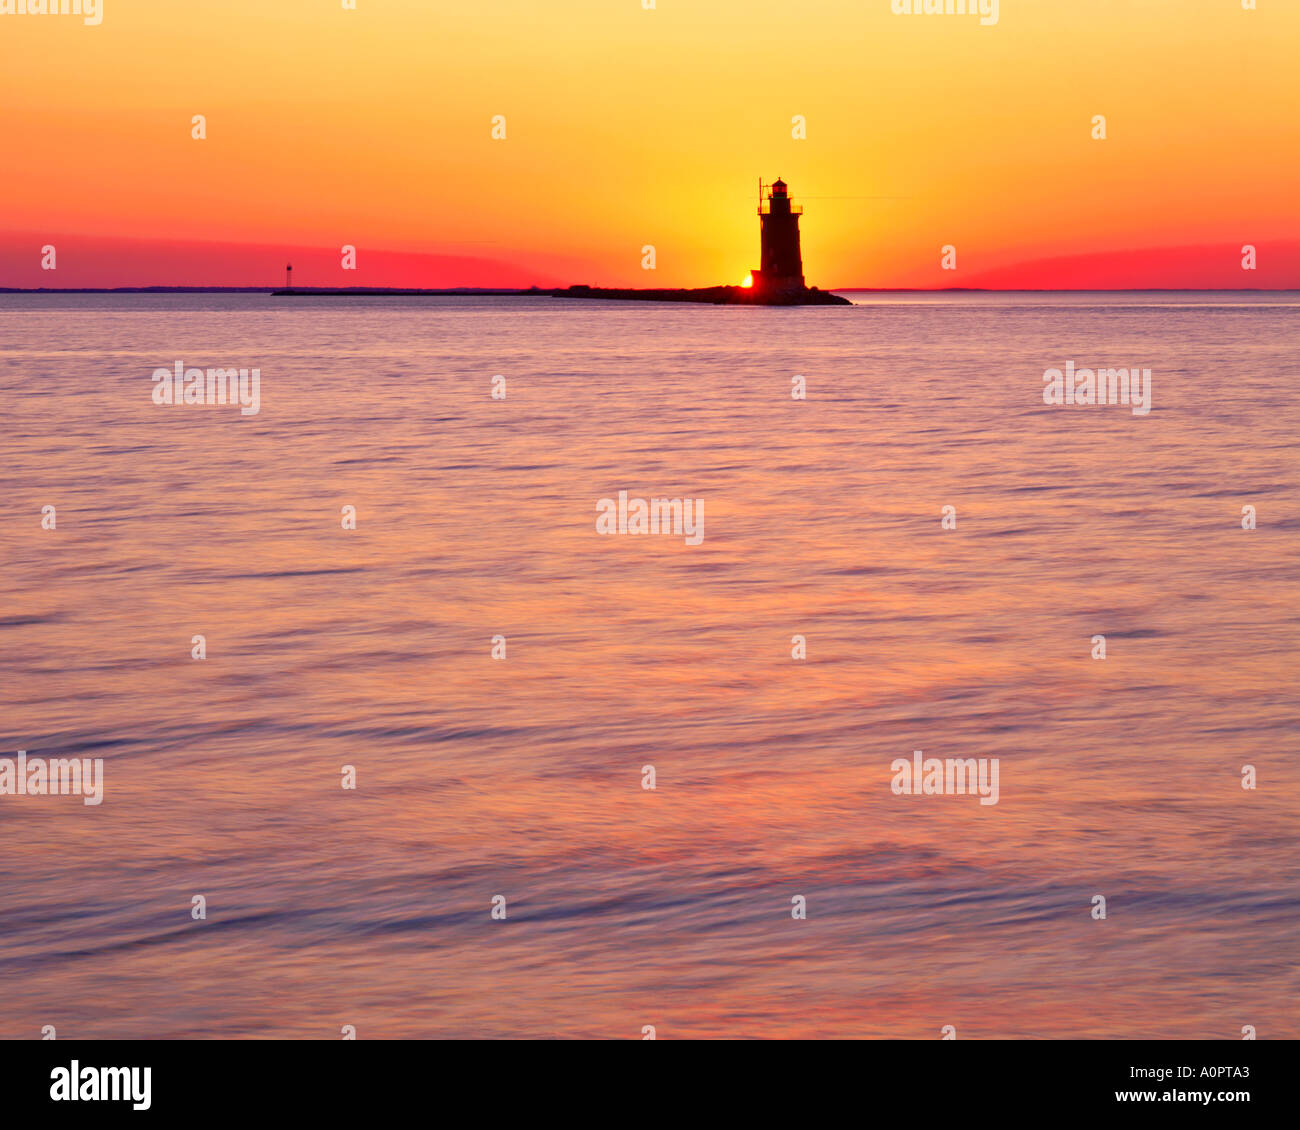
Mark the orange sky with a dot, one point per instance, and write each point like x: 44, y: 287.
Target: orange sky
x: 628, y: 127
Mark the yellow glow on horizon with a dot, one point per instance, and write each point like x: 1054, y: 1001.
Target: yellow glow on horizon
x: 618, y: 127
x: 749, y: 281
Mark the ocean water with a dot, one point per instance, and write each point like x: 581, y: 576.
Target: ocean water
x: 522, y: 777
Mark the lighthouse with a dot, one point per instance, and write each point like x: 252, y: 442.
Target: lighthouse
x: 781, y: 269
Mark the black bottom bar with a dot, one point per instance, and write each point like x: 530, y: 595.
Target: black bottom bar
x: 1242, y: 1081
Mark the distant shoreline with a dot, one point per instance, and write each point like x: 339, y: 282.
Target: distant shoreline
x: 710, y: 295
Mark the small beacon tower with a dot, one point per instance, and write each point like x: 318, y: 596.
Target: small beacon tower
x: 781, y: 269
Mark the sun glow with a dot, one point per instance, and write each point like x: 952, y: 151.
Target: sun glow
x: 749, y: 281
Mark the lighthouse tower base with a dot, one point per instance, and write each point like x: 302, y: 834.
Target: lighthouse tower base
x: 772, y: 285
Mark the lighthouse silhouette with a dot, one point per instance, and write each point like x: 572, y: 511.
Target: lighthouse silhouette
x: 781, y: 262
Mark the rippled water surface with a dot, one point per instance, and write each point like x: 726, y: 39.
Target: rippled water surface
x: 522, y: 777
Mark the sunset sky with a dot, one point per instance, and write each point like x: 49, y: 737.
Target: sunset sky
x: 628, y: 127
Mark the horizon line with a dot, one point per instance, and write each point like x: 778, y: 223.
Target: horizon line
x: 503, y: 291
